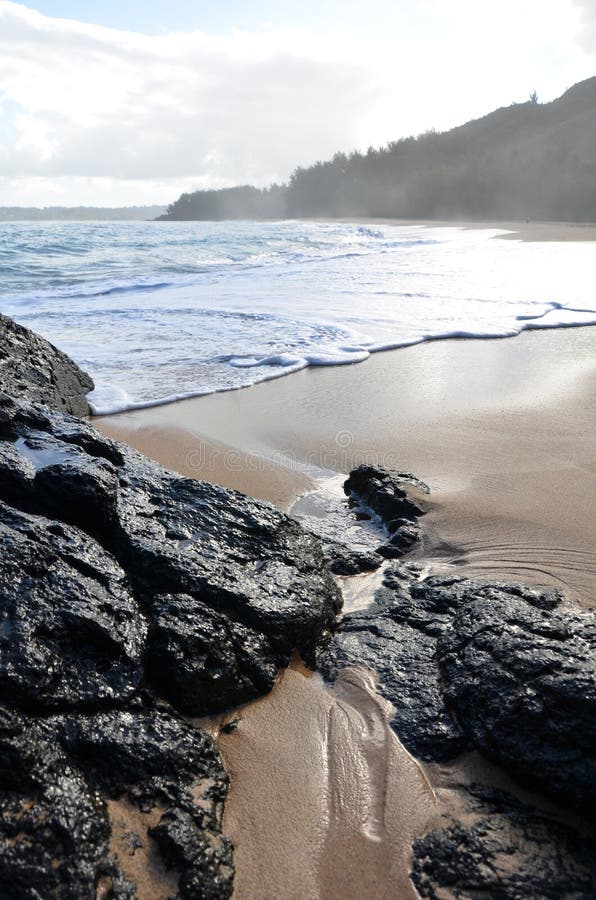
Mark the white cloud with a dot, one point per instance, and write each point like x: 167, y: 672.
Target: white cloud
x: 587, y: 30
x: 97, y: 102
x: 92, y: 109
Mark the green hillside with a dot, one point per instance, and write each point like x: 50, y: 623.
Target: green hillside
x: 529, y: 160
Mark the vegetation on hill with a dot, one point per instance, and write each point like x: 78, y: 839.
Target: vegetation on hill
x: 529, y: 160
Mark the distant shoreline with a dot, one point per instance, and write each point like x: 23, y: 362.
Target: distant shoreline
x: 541, y: 232
x: 34, y: 214
x: 531, y: 231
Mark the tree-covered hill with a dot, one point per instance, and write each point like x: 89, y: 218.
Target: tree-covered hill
x: 529, y: 160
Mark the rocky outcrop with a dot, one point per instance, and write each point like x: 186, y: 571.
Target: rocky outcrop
x: 67, y: 782
x: 71, y: 634
x: 398, y: 498
x: 396, y: 638
x: 129, y: 595
x: 32, y: 368
x: 503, y: 849
x: 506, y: 669
x: 229, y: 586
x: 376, y: 519
x: 393, y: 495
x: 519, y: 673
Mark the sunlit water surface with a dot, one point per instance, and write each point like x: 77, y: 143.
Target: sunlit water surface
x: 157, y: 311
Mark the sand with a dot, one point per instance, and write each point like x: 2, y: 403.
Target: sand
x: 337, y: 800
x: 501, y: 430
x: 519, y: 230
x: 324, y: 800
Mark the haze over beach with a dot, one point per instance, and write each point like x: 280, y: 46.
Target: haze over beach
x: 297, y: 450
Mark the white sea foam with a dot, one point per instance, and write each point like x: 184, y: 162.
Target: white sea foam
x: 157, y: 313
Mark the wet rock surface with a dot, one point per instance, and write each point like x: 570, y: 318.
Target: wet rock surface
x: 235, y: 571
x: 195, y: 652
x: 504, y: 849
x: 129, y: 595
x: 375, y: 519
x: 57, y: 775
x: 350, y: 534
x: 240, y: 557
x: 520, y: 674
x: 53, y: 830
x: 506, y: 669
x: 394, y: 496
x: 71, y: 633
x: 396, y: 638
x: 32, y: 368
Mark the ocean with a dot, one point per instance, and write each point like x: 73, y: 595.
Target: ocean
x: 157, y: 311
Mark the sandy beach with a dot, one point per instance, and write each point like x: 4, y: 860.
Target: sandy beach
x: 501, y: 430
x: 503, y: 433
x: 525, y: 230
x: 297, y: 496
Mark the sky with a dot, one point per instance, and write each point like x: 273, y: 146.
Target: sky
x: 124, y: 102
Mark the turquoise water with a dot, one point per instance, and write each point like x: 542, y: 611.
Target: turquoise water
x: 157, y: 311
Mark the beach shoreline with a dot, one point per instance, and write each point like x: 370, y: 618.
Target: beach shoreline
x: 502, y: 431
x: 517, y: 230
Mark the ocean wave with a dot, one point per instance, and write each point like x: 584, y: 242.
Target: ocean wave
x: 158, y: 313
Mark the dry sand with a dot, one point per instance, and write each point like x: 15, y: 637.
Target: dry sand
x: 324, y: 800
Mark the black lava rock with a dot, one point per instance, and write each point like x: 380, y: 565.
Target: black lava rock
x: 396, y: 638
x: 343, y: 560
x: 54, y: 831
x: 56, y: 834
x: 349, y: 535
x: 126, y: 591
x: 32, y: 368
x: 506, y: 850
x: 202, y: 662
x: 162, y: 763
x: 377, y: 520
x: 71, y: 633
x: 205, y: 866
x: 506, y: 669
x: 397, y: 498
x: 521, y: 678
x: 392, y: 495
x: 146, y: 752
x: 240, y: 557
x: 251, y: 581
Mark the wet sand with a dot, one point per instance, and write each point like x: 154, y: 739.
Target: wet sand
x: 324, y: 800
x: 502, y: 430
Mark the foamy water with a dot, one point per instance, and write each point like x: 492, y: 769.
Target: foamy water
x: 160, y: 311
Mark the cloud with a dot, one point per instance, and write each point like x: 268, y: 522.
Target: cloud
x: 587, y: 25
x: 98, y: 102
x: 85, y: 109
